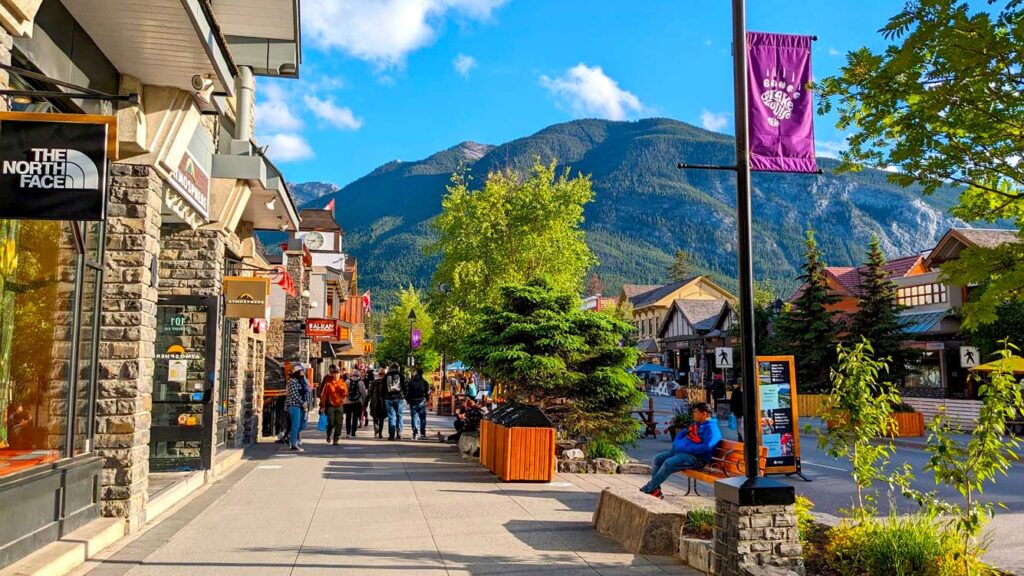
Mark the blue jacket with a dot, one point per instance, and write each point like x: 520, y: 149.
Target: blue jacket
x: 698, y: 439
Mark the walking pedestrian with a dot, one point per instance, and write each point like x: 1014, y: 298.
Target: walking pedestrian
x: 354, y: 403
x: 417, y: 393
x: 375, y: 403
x: 736, y: 406
x: 332, y: 397
x: 367, y: 376
x: 297, y: 403
x: 394, y: 392
x: 691, y: 449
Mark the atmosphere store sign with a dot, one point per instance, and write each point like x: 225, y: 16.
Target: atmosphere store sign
x: 54, y: 166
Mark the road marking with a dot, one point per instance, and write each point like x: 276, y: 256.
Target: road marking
x: 268, y: 467
x: 805, y: 462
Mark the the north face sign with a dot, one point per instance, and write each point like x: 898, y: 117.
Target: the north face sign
x: 54, y: 166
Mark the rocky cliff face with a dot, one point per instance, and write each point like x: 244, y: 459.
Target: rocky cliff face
x: 644, y: 207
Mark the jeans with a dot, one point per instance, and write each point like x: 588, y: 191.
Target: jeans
x: 352, y: 418
x: 298, y: 421
x: 418, y: 410
x: 668, y: 463
x: 394, y: 407
x: 334, y: 422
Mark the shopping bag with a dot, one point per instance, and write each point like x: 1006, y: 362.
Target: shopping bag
x: 321, y: 424
x: 732, y: 421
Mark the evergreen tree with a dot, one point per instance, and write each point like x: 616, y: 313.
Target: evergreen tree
x: 877, y: 319
x: 540, y: 348
x: 808, y: 330
x: 594, y: 285
x: 681, y: 268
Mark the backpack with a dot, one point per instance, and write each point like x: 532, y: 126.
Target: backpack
x: 354, y: 394
x: 394, y: 381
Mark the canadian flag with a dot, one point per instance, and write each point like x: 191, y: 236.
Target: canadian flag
x: 330, y: 206
x: 366, y: 300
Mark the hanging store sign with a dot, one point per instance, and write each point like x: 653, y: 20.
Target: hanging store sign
x: 321, y: 329
x: 245, y: 297
x: 55, y: 166
x: 780, y: 103
x: 192, y: 182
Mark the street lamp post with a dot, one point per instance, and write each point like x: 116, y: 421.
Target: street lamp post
x: 412, y: 321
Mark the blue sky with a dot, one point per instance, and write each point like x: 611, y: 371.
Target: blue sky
x: 402, y: 79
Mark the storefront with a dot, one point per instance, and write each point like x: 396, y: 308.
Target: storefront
x: 53, y: 190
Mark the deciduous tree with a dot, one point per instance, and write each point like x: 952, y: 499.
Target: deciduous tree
x: 943, y: 104
x: 396, y: 342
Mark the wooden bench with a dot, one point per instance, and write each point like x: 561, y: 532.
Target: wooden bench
x: 727, y: 460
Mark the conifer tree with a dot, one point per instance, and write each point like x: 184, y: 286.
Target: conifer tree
x: 878, y: 315
x: 808, y: 330
x: 681, y: 268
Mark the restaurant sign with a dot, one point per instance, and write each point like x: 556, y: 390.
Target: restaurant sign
x: 55, y: 166
x: 245, y: 297
x: 321, y: 329
x: 193, y: 183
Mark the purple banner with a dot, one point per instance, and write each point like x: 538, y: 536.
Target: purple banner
x: 417, y: 339
x: 781, y: 107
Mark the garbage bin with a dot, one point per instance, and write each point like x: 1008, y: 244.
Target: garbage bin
x: 488, y: 435
x: 524, y: 445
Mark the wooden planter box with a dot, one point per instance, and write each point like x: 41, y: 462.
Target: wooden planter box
x: 907, y: 424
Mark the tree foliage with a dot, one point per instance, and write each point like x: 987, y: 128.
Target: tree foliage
x: 681, y: 268
x: 517, y: 227
x: 540, y: 348
x: 397, y: 343
x: 944, y: 103
x: 808, y: 330
x: 877, y: 318
x: 860, y: 404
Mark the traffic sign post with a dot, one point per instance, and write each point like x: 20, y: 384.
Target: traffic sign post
x: 723, y: 357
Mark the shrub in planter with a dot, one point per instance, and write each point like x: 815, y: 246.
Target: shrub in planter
x: 915, y: 545
x: 601, y: 448
x: 700, y: 523
x: 679, y: 422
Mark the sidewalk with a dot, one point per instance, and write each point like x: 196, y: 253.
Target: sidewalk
x: 380, y: 507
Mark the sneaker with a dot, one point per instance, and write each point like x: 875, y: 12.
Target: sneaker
x: 657, y: 494
x: 391, y: 437
x: 296, y: 449
x: 335, y: 442
x: 414, y: 437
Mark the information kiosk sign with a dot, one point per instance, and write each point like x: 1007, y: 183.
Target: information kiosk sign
x: 779, y: 428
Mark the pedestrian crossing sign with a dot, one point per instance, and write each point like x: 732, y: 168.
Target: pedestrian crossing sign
x: 723, y: 357
x: 968, y: 356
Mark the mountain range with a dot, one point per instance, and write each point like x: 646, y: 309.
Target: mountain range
x: 644, y: 207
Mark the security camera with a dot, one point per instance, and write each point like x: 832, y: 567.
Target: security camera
x: 201, y: 83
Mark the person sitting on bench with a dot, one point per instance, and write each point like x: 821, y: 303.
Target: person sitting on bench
x: 467, y: 419
x: 691, y: 449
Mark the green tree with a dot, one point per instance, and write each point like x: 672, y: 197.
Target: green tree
x: 515, y: 228
x: 541, y: 349
x: 681, y: 268
x: 944, y: 103
x: 397, y: 343
x: 877, y: 318
x: 594, y: 285
x: 807, y: 329
x: 860, y: 405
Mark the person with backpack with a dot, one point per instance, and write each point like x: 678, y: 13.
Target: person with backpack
x: 394, y: 392
x: 297, y: 403
x: 332, y: 397
x: 354, y: 404
x: 375, y: 403
x: 417, y: 393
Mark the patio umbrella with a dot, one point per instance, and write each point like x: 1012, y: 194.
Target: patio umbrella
x: 648, y: 368
x: 457, y: 366
x: 1013, y: 364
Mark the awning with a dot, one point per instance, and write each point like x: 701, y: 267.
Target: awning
x: 327, y: 350
x: 921, y: 322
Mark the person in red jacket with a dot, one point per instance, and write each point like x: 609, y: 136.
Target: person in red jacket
x: 333, y: 394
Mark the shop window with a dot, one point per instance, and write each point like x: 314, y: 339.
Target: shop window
x: 928, y: 373
x: 39, y: 269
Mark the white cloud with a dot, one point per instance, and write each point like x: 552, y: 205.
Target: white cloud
x: 829, y: 148
x: 589, y: 91
x: 273, y: 110
x: 288, y: 147
x: 713, y: 122
x: 463, y: 64
x: 833, y: 52
x: 384, y: 31
x: 338, y: 116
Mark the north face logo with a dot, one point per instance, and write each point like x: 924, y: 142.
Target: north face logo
x: 55, y: 168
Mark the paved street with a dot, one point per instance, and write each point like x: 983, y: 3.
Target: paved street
x: 832, y: 489
x: 379, y: 507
